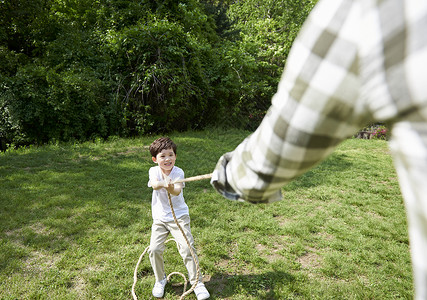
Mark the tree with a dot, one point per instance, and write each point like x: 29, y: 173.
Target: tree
x: 267, y: 30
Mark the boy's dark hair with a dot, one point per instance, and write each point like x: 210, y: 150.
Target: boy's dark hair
x: 160, y: 144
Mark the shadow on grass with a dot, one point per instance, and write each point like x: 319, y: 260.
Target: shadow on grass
x: 227, y: 286
x: 259, y: 286
x: 326, y: 170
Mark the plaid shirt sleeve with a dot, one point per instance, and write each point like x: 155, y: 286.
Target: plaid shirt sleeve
x: 348, y: 66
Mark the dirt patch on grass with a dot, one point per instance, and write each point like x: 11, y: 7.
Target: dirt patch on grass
x: 282, y: 221
x: 233, y: 265
x: 37, y: 263
x: 325, y: 236
x: 40, y: 228
x: 270, y: 253
x: 310, y: 259
x: 79, y: 286
x: 133, y: 150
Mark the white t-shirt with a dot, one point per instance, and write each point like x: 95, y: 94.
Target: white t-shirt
x: 160, y: 208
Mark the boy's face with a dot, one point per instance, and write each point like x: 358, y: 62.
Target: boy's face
x: 165, y: 159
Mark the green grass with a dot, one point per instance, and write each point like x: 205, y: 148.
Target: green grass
x: 76, y: 217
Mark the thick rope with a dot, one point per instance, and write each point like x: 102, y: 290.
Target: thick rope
x: 191, y: 251
x: 135, y: 273
x: 194, y: 178
x: 185, y: 293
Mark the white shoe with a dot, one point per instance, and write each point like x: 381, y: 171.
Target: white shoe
x: 201, y: 291
x: 159, y: 288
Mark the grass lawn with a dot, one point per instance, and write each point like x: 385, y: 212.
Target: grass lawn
x: 75, y: 218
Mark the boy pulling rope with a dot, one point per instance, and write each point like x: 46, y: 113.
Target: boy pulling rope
x: 167, y: 181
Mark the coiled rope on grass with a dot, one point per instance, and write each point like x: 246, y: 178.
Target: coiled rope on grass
x: 135, y: 273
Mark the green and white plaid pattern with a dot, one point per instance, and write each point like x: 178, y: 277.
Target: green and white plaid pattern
x: 353, y: 62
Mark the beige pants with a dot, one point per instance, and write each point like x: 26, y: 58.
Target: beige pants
x: 159, y: 233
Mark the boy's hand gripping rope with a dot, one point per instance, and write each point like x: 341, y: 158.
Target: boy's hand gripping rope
x: 185, y: 293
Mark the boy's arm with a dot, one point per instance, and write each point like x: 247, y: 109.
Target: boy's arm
x: 157, y: 184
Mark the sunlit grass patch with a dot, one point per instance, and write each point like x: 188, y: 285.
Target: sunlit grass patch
x: 76, y: 217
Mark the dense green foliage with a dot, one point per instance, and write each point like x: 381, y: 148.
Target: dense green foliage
x: 74, y: 70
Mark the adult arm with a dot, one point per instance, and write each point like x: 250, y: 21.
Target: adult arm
x: 315, y: 108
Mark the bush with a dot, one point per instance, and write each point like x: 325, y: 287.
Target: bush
x: 380, y: 132
x: 161, y: 76
x: 43, y: 104
x: 373, y: 131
